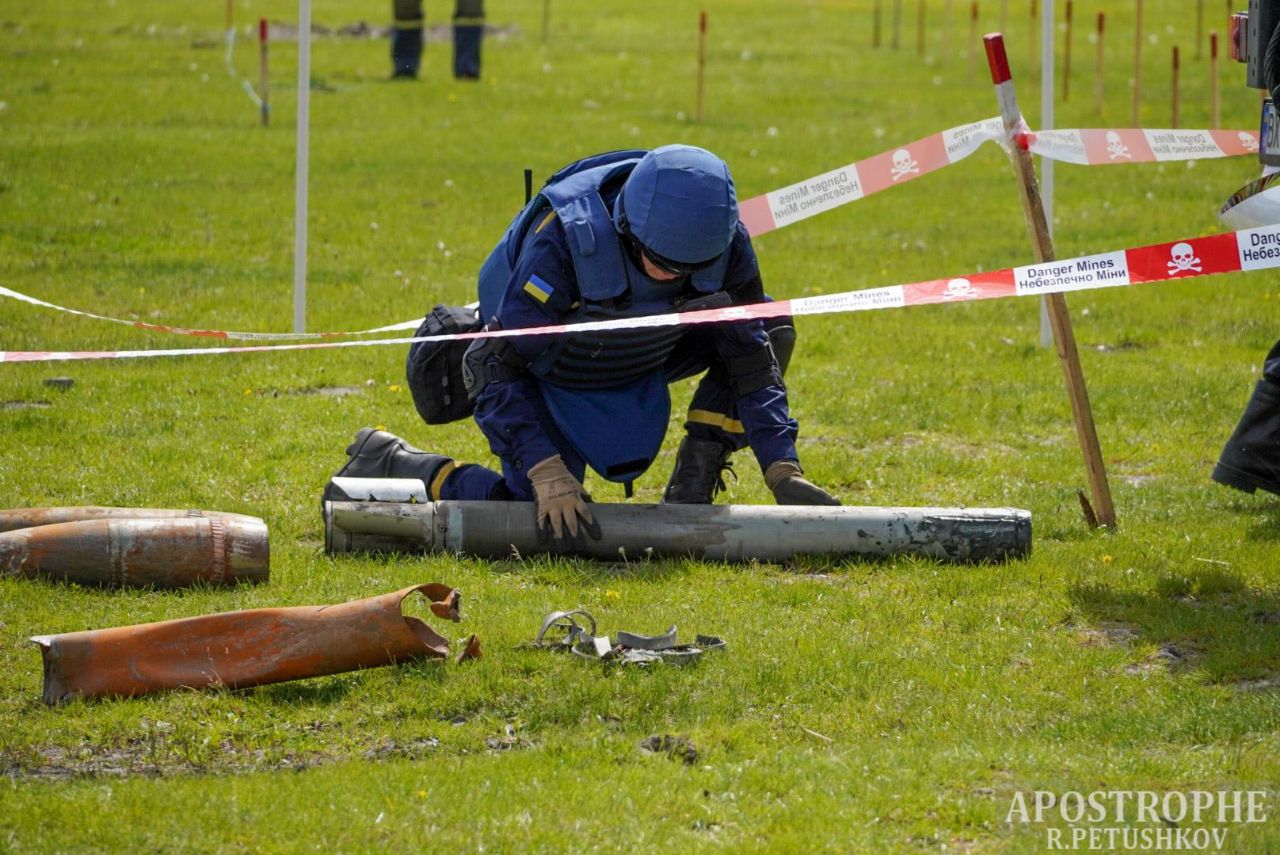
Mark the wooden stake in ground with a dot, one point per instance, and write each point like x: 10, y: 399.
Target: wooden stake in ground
x: 973, y: 37
x: 1137, y: 67
x: 895, y: 38
x: 875, y: 26
x: 920, y: 28
x: 1176, y: 69
x: 1102, y: 511
x: 702, y: 58
x: 1066, y: 55
x: 1215, y: 119
x: 1097, y: 66
x: 263, y: 87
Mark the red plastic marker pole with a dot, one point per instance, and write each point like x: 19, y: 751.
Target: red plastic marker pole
x: 1214, y: 117
x: 1176, y: 69
x: 1102, y: 511
x: 702, y: 58
x: 1066, y: 55
x: 1097, y: 66
x: 263, y: 32
x: 1137, y: 68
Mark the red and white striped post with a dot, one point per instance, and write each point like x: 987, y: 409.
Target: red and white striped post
x: 702, y: 58
x: 1102, y: 511
x: 263, y: 85
x: 1215, y: 118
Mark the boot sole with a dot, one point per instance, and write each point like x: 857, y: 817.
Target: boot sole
x: 1232, y: 477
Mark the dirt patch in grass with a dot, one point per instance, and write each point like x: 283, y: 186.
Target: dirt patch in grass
x: 1106, y: 634
x: 674, y: 746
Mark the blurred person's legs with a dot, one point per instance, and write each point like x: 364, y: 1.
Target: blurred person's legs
x: 1251, y: 458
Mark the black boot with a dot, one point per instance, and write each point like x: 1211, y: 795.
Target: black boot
x: 378, y: 454
x: 1251, y: 458
x: 696, y: 478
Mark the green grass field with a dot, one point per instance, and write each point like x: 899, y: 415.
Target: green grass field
x: 891, y: 706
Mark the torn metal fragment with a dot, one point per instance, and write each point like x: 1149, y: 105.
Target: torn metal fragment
x: 244, y: 648
x: 163, y: 553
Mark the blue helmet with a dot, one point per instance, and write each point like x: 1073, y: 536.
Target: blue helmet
x: 679, y: 204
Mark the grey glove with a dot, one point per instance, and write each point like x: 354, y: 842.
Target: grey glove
x: 561, y: 503
x: 790, y: 488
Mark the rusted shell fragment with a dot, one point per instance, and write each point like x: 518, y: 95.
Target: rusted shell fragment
x: 241, y: 649
x: 163, y: 553
x: 17, y: 518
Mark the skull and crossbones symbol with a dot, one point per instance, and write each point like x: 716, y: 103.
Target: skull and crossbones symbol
x: 1247, y: 140
x: 1116, y: 148
x: 903, y: 165
x: 1182, y: 259
x: 959, y: 289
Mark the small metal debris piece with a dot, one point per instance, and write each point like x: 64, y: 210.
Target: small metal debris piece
x: 627, y: 647
x: 164, y: 553
x: 245, y: 648
x: 674, y: 746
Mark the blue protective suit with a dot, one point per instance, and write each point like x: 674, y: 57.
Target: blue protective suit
x: 601, y: 398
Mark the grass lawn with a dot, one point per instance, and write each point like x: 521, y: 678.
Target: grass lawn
x: 892, y: 706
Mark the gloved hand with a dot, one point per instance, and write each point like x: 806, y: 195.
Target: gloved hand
x: 790, y: 488
x: 561, y: 503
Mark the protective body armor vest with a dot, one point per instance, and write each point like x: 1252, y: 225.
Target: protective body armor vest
x: 606, y: 390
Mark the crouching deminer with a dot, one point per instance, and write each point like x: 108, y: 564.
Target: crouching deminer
x: 622, y: 234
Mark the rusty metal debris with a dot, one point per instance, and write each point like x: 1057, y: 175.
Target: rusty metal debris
x: 561, y: 631
x: 133, y: 551
x: 246, y: 648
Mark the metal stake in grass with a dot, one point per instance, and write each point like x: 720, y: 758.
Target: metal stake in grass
x: 1102, y: 512
x: 1066, y: 55
x: 1137, y: 66
x: 262, y: 71
x: 1214, y: 116
x: 1176, y: 69
x: 1097, y: 66
x: 702, y: 58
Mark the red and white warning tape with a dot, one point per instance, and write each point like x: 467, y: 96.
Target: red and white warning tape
x: 1248, y: 249
x: 1086, y: 146
x: 854, y: 181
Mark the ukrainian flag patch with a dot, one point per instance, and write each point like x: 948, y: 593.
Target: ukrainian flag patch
x: 538, y: 289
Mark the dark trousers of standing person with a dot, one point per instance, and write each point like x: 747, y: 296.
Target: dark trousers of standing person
x: 406, y: 38
x: 1251, y: 458
x: 468, y: 32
